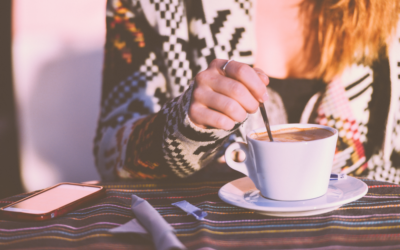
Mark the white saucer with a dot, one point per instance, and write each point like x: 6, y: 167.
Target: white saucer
x: 243, y: 193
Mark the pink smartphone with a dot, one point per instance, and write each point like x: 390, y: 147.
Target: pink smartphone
x: 52, y: 202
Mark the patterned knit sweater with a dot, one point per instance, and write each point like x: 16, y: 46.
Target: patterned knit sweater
x: 155, y: 47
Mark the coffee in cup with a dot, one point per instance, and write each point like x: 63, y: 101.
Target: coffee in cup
x: 295, y: 166
x: 293, y: 134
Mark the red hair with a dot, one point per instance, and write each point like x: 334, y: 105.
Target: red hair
x: 348, y: 31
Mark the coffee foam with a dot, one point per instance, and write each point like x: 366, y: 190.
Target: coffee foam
x: 294, y: 134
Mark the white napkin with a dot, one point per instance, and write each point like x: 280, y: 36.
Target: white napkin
x: 149, y: 221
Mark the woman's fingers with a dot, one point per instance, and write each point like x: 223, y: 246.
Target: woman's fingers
x: 262, y: 75
x: 247, y: 76
x: 205, y: 117
x: 237, y: 91
x: 222, y: 97
x: 221, y: 103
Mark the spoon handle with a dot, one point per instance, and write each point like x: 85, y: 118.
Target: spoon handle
x: 266, y: 122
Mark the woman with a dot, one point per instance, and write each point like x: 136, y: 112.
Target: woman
x: 329, y: 62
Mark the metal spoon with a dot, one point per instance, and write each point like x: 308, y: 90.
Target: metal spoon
x: 266, y: 122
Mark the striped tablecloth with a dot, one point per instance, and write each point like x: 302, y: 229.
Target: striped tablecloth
x: 369, y: 223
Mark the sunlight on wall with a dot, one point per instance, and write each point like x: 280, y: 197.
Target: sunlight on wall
x: 57, y: 60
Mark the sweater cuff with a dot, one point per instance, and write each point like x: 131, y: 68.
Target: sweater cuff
x: 187, y: 148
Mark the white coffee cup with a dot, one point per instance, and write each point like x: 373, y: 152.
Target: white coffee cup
x: 287, y: 171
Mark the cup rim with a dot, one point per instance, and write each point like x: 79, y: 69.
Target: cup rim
x: 288, y: 125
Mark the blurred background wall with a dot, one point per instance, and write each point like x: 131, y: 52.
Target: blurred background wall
x: 57, y: 63
x: 10, y: 181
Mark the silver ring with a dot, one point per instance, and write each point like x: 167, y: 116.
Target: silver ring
x: 226, y: 64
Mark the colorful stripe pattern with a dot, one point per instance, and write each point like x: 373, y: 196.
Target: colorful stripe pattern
x: 368, y: 223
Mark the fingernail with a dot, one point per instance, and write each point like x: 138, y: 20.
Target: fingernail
x: 263, y: 76
x: 265, y: 97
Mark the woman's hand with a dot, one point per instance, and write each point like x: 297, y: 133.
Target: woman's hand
x: 221, y: 98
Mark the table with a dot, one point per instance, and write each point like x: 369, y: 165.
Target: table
x: 369, y: 223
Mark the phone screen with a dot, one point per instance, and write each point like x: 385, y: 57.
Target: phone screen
x: 52, y: 199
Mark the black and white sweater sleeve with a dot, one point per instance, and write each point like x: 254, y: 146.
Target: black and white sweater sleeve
x: 143, y: 132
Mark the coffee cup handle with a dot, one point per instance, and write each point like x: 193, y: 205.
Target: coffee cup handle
x: 238, y: 166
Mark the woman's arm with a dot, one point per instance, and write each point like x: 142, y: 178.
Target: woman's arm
x: 133, y: 91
